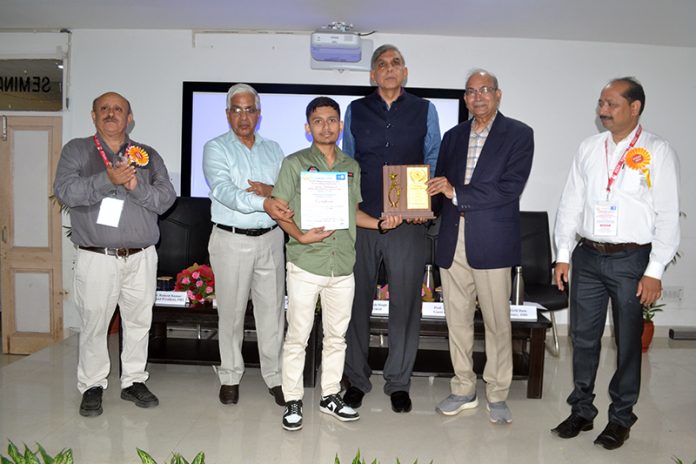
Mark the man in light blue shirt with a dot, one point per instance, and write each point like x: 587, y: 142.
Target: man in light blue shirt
x: 246, y: 245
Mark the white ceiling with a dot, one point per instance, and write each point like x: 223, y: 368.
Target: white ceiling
x: 666, y: 22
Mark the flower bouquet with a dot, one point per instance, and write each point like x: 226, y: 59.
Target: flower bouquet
x: 198, y: 282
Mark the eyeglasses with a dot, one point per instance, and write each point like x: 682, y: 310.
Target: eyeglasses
x: 238, y: 110
x: 485, y: 90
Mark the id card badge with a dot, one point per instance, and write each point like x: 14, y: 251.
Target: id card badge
x: 110, y: 212
x: 606, y: 219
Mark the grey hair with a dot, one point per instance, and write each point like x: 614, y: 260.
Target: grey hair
x: 483, y: 72
x: 381, y: 50
x: 243, y: 88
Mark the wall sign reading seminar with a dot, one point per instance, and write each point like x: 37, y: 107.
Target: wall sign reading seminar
x: 31, y: 85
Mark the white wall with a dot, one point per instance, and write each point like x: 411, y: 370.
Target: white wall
x: 551, y: 85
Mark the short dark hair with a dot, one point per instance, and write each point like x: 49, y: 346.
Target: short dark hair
x: 634, y: 92
x: 322, y: 101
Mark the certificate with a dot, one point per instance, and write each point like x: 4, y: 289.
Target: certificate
x: 324, y: 200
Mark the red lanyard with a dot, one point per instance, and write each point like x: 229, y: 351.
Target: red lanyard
x: 98, y: 144
x: 621, y: 162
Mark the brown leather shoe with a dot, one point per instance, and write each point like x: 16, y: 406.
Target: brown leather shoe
x: 229, y: 394
x: 613, y: 436
x: 277, y: 393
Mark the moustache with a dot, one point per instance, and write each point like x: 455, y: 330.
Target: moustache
x: 109, y: 119
x: 603, y: 118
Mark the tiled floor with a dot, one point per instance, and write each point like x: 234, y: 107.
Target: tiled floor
x: 39, y: 403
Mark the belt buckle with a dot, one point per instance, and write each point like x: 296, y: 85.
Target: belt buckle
x: 124, y: 256
x: 601, y: 247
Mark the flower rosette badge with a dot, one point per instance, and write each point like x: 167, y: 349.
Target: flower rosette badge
x: 638, y: 159
x: 198, y: 282
x: 137, y: 156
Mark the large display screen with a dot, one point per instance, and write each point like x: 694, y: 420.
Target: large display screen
x: 282, y: 118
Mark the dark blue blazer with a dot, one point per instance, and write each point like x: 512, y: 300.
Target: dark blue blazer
x: 490, y: 202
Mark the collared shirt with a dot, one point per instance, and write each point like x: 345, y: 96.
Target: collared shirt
x: 228, y: 165
x: 431, y: 144
x: 476, y: 142
x: 81, y: 184
x: 335, y: 255
x: 646, y: 213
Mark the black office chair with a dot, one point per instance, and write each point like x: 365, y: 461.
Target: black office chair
x: 537, y: 268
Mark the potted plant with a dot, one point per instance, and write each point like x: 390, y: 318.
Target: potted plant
x: 649, y: 311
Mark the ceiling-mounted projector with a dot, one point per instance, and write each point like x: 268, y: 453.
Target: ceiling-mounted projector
x: 336, y: 46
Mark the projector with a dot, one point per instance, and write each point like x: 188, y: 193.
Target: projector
x: 336, y: 46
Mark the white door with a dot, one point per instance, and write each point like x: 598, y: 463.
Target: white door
x: 30, y: 250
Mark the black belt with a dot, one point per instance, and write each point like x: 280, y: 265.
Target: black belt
x: 603, y: 247
x: 249, y: 232
x: 118, y: 252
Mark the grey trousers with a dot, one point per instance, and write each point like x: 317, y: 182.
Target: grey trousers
x: 403, y: 251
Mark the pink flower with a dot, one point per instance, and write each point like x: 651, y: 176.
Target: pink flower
x: 199, y: 283
x: 185, y: 281
x: 189, y: 294
x: 196, y: 274
x: 209, y: 290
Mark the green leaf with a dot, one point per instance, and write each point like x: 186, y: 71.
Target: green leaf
x: 46, y: 457
x: 144, y: 457
x: 199, y: 459
x: 30, y: 457
x: 4, y: 460
x: 64, y: 457
x: 336, y: 460
x: 14, y: 453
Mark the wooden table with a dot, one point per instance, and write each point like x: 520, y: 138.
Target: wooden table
x: 527, y: 359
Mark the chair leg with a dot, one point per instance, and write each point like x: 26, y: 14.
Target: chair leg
x: 554, y: 350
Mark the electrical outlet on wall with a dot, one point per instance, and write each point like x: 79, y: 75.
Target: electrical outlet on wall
x: 672, y: 294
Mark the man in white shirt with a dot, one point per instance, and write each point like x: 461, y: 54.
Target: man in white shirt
x: 621, y: 198
x: 246, y: 245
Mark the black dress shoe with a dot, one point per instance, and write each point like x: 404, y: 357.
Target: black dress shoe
x: 277, y: 393
x: 400, y: 401
x: 229, y: 394
x: 613, y: 436
x: 91, y: 404
x: 353, y: 397
x: 572, y: 426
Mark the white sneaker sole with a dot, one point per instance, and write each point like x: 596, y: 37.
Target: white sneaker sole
x: 463, y: 407
x: 341, y: 418
x: 292, y: 428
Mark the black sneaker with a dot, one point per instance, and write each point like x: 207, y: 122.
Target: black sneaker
x: 92, y: 402
x: 292, y: 418
x: 140, y: 395
x: 334, y: 405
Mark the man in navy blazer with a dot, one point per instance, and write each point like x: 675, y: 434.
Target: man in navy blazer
x: 481, y: 171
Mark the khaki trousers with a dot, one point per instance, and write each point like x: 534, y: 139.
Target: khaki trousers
x: 336, y: 303
x: 462, y: 285
x: 101, y: 282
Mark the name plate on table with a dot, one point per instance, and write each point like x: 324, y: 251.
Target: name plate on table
x: 433, y: 310
x: 380, y: 307
x: 405, y: 191
x: 526, y: 312
x: 165, y: 298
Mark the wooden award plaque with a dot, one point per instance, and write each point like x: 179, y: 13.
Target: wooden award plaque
x: 405, y: 191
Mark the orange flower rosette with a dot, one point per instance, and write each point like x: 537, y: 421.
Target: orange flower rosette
x: 137, y: 155
x: 639, y: 159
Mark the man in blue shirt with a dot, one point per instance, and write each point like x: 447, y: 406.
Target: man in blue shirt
x: 389, y: 126
x: 246, y: 245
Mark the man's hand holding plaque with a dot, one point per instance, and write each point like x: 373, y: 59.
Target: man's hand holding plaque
x: 405, y: 192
